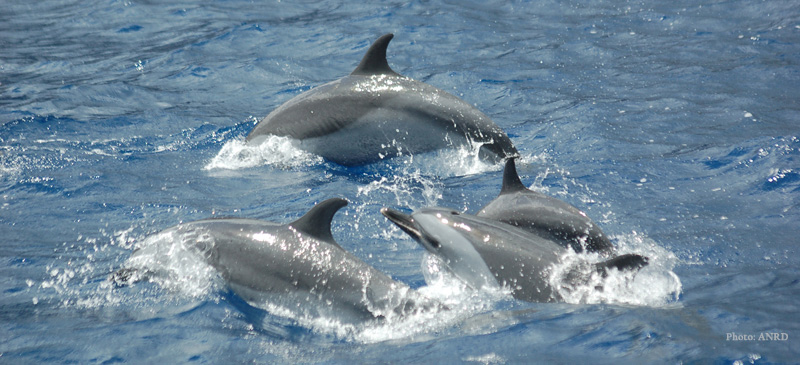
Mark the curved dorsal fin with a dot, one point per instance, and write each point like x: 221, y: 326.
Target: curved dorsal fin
x: 374, y: 61
x: 317, y: 221
x: 511, y: 181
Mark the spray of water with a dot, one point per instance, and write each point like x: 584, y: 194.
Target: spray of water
x: 411, y: 181
x: 282, y: 152
x: 458, y: 303
x: 174, y: 260
x: 275, y: 151
x: 655, y: 285
x: 180, y: 272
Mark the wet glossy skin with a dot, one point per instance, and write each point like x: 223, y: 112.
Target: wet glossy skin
x: 468, y: 244
x: 376, y: 113
x: 488, y: 253
x: 544, y: 216
x: 295, y: 265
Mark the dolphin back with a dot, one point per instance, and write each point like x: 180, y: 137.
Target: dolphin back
x: 296, y: 266
x: 544, y: 215
x: 375, y: 113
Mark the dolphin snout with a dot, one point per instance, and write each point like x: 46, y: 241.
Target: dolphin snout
x: 404, y: 221
x: 413, y: 228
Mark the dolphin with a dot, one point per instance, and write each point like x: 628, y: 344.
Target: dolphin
x: 375, y: 113
x: 544, y: 215
x: 296, y: 265
x: 486, y: 253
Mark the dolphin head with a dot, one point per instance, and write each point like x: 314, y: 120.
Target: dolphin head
x: 486, y: 253
x: 444, y: 234
x: 426, y: 234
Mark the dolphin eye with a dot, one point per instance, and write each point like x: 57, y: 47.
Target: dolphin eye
x: 454, y: 213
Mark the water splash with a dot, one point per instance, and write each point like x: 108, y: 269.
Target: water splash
x: 404, y: 188
x: 463, y: 160
x: 81, y: 283
x: 180, y: 269
x: 173, y: 259
x: 282, y: 152
x: 181, y: 275
x: 275, y: 151
x: 459, y: 302
x: 655, y: 285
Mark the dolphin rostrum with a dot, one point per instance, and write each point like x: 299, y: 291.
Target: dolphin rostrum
x: 487, y: 253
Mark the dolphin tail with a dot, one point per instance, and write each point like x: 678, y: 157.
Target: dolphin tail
x: 627, y: 262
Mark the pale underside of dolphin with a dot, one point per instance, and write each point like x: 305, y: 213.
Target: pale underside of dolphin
x: 488, y: 253
x: 544, y: 215
x: 293, y: 265
x: 375, y: 113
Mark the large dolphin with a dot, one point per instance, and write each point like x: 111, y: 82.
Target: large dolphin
x: 488, y: 253
x: 375, y: 113
x: 294, y: 265
x: 544, y: 215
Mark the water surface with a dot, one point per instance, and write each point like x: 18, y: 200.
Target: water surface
x: 673, y: 125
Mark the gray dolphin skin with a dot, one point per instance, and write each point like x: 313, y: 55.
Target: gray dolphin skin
x: 375, y: 113
x: 488, y: 253
x: 545, y: 216
x: 295, y: 264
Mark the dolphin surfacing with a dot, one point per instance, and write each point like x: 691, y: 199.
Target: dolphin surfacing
x: 544, y: 215
x: 294, y: 265
x: 375, y: 113
x: 488, y: 253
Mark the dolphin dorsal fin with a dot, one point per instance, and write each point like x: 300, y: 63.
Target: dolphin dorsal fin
x: 374, y: 61
x: 511, y: 181
x: 317, y: 221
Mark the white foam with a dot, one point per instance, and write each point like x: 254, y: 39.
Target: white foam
x: 282, y: 152
x: 173, y: 262
x: 490, y: 358
x: 655, y: 285
x: 463, y: 160
x: 275, y: 151
x: 458, y: 303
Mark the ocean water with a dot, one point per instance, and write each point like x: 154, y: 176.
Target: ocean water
x: 674, y: 125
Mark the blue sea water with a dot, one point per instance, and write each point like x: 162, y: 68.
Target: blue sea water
x: 674, y: 125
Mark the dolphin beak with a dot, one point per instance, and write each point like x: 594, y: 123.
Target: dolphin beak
x: 404, y: 221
